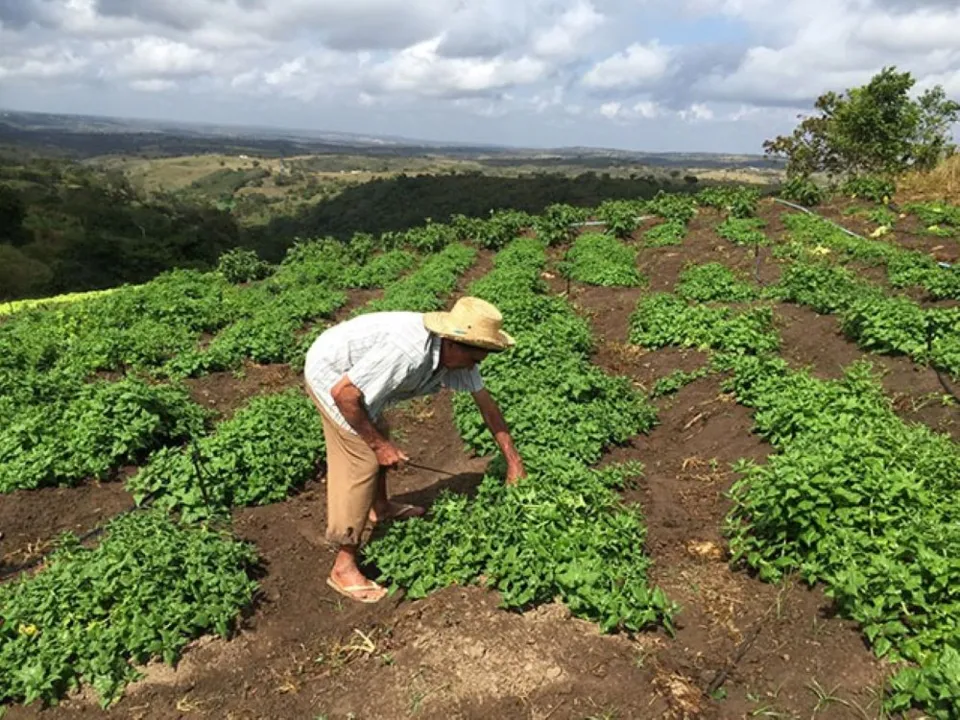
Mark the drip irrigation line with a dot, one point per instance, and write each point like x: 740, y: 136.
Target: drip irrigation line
x: 808, y: 211
x: 929, y: 327
x: 597, y: 223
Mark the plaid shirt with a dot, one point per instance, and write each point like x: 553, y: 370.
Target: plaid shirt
x: 389, y: 356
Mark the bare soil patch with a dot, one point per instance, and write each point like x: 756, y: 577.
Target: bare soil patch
x: 31, y: 520
x: 816, y: 342
x: 228, y: 391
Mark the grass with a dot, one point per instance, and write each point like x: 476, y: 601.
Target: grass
x: 942, y: 183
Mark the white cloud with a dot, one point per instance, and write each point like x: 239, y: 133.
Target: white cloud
x: 45, y: 63
x: 153, y: 85
x: 611, y: 109
x: 523, y: 66
x: 697, y: 111
x: 154, y: 56
x: 420, y: 70
x: 566, y: 37
x: 636, y: 67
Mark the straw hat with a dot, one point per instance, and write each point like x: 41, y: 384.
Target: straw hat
x: 472, y: 321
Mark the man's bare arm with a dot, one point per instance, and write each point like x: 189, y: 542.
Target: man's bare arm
x: 501, y: 433
x: 349, y: 400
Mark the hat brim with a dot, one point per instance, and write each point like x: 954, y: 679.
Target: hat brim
x: 439, y: 323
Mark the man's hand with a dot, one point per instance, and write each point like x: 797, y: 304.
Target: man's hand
x: 501, y: 433
x: 389, y: 455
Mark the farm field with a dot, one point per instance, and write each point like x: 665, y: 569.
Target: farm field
x: 740, y: 425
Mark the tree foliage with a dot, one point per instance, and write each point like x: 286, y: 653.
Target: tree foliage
x: 874, y: 129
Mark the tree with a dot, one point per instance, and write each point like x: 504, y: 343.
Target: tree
x: 12, y: 214
x: 874, y: 129
x: 21, y: 275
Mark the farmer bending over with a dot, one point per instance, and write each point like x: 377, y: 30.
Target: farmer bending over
x: 357, y: 368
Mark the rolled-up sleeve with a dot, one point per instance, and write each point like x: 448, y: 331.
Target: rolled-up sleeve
x: 380, y: 372
x: 465, y: 380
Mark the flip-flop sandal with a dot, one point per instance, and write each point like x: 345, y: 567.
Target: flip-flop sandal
x: 350, y: 589
x: 404, y: 512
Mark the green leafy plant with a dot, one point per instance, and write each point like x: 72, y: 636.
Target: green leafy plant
x: 560, y: 532
x: 90, y: 430
x: 423, y: 290
x: 149, y: 588
x: 676, y: 381
x: 621, y: 217
x: 714, y: 282
x: 662, y: 319
x: 673, y: 206
x: 802, y: 190
x: 600, y: 259
x: 743, y: 231
x: 269, y: 447
x: 666, y: 233
x: 240, y: 265
x: 870, y: 187
x: 556, y: 225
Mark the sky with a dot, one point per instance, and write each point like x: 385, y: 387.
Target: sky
x: 649, y: 75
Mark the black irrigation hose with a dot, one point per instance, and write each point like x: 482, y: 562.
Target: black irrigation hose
x: 6, y: 573
x: 929, y: 327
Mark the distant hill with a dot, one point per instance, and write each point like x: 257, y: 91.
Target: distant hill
x: 91, y: 136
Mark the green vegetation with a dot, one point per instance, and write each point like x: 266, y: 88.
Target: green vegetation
x: 745, y: 231
x: 424, y: 290
x: 663, y: 319
x: 940, y: 218
x: 149, y: 588
x: 240, y: 266
x: 714, y: 282
x: 269, y: 447
x: 904, y: 267
x: 875, y: 321
x: 870, y: 187
x: 803, y: 191
x: 74, y: 430
x: 666, y: 233
x: 621, y: 217
x: 562, y: 531
x: 875, y: 129
x: 600, y: 259
x: 677, y: 380
x: 737, y: 202
x: 853, y: 496
x: 858, y: 499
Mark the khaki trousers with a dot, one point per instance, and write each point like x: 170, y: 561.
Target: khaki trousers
x: 353, y: 477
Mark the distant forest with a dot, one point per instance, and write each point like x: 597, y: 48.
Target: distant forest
x: 66, y: 226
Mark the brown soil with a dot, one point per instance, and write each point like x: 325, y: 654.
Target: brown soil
x: 305, y: 652
x: 482, y: 265
x: 768, y: 646
x: 31, y: 520
x: 226, y: 392
x: 816, y: 342
x: 908, y: 232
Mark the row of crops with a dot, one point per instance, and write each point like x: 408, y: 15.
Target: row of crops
x: 90, y: 386
x: 852, y: 497
x: 171, y: 572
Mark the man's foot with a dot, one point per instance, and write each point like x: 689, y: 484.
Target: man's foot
x: 356, y: 587
x: 395, y: 511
